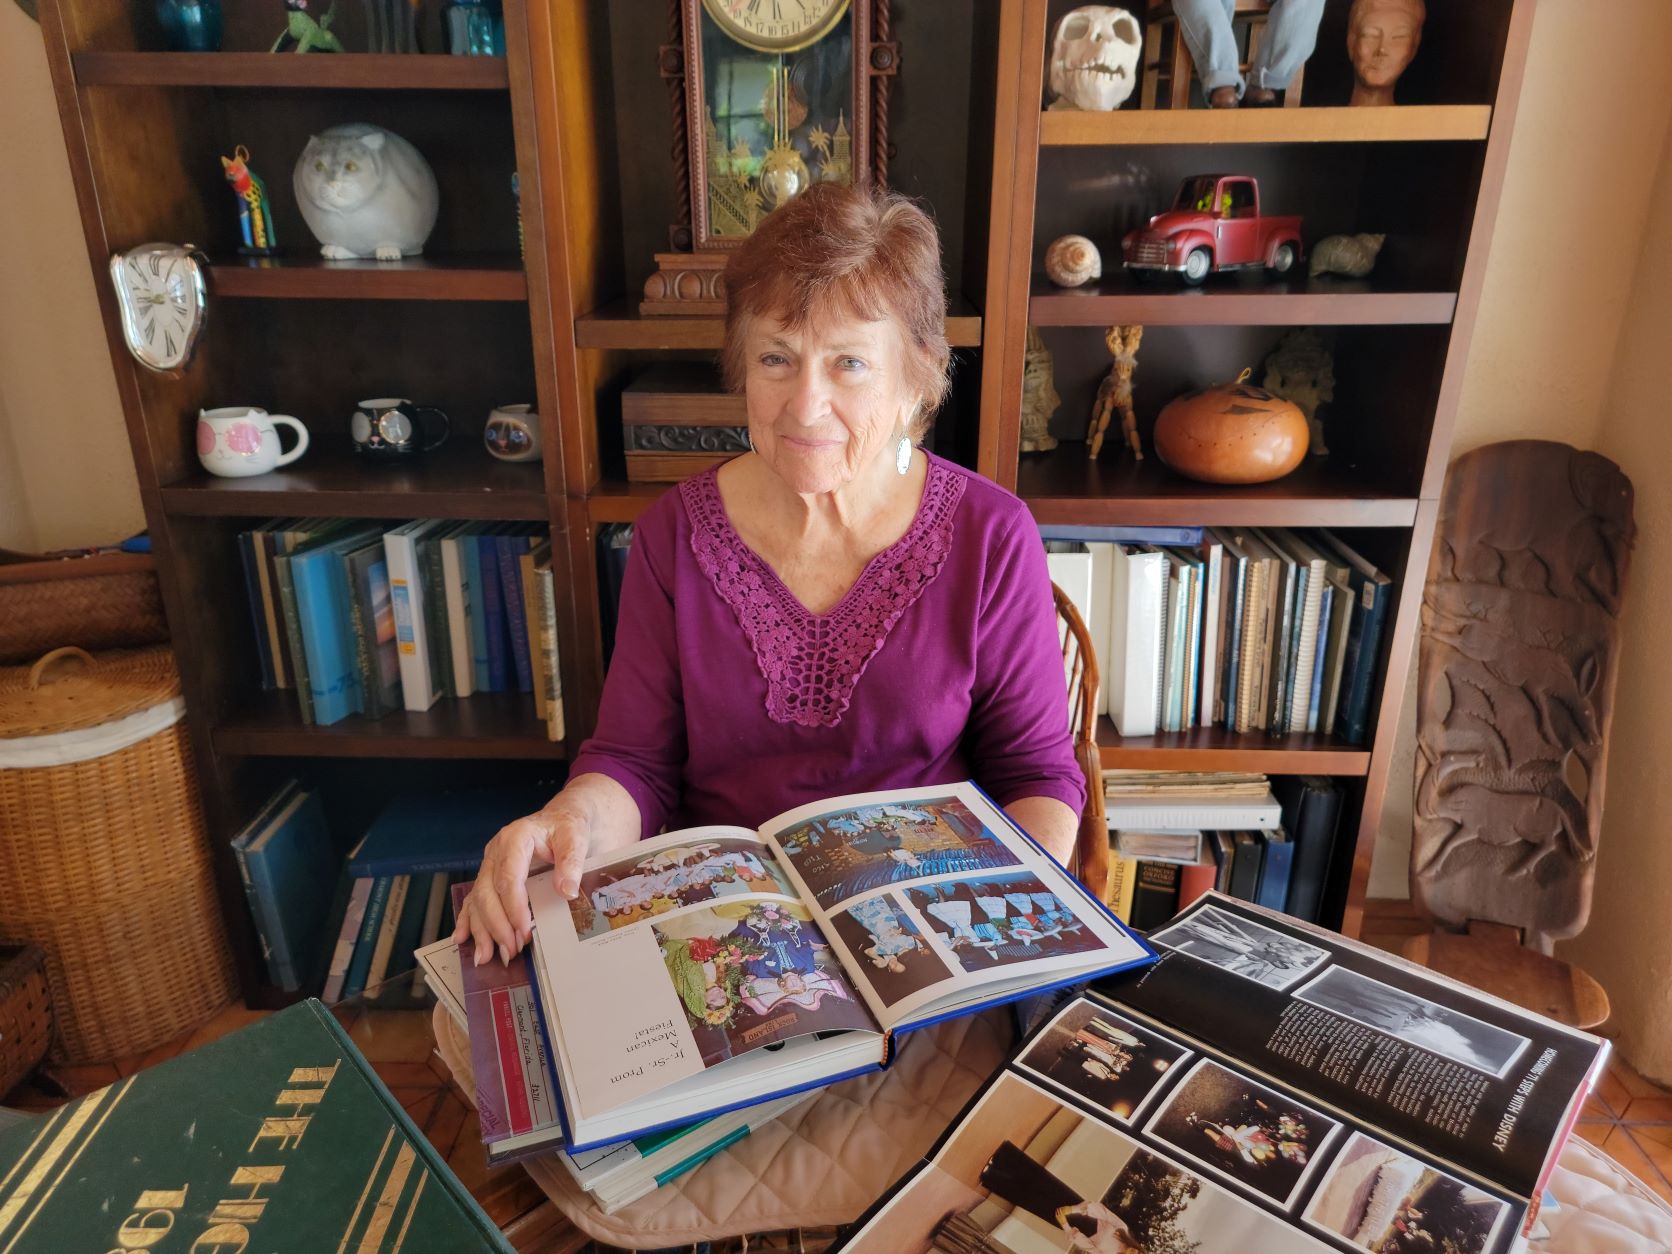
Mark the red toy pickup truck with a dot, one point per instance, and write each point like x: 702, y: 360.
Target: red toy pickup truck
x: 1214, y: 224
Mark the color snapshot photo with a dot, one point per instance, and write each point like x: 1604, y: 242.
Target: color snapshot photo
x: 1416, y: 1021
x: 848, y: 852
x: 754, y: 973
x: 1026, y: 1172
x: 898, y: 960
x: 1104, y: 1057
x: 997, y: 920
x: 1383, y: 1200
x: 1243, y: 1132
x: 1242, y: 947
x: 642, y: 887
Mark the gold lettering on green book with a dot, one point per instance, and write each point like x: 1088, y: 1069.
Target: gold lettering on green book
x: 385, y: 1208
x: 151, y: 1220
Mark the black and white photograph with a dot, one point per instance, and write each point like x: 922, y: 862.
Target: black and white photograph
x: 1244, y: 1132
x: 1384, y: 1200
x: 1449, y: 1033
x: 1104, y: 1057
x: 1243, y: 947
x: 1026, y: 1173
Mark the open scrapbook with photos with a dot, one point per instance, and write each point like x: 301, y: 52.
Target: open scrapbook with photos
x: 716, y: 967
x: 1264, y: 1088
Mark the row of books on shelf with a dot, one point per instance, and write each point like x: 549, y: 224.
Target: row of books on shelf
x: 1242, y: 628
x: 392, y: 892
x: 363, y: 618
x: 1274, y: 850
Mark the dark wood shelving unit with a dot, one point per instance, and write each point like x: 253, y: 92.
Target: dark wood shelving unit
x: 620, y: 325
x: 311, y: 277
x: 1215, y: 749
x: 1326, y: 125
x: 493, y: 725
x: 351, y: 71
x: 1064, y: 486
x: 1236, y: 299
x: 1426, y: 173
x: 335, y: 482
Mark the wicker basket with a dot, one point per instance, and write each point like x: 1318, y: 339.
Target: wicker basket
x: 104, y: 861
x: 102, y: 601
x: 25, y: 1013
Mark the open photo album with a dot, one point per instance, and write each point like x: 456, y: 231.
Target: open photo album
x: 717, y: 967
x: 1264, y: 1088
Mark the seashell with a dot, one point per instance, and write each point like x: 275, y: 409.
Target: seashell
x: 1073, y: 260
x: 1351, y: 255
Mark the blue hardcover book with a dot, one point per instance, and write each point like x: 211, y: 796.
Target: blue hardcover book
x: 291, y: 861
x: 1320, y: 657
x: 1372, y: 591
x: 510, y: 549
x: 411, y: 924
x: 1275, y: 866
x: 322, y: 605
x: 421, y: 833
x: 1190, y: 537
x: 493, y: 610
x: 470, y: 551
x: 1311, y: 808
x: 361, y: 963
x: 260, y: 905
x: 249, y: 558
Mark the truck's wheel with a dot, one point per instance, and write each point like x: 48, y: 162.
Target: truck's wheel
x: 1197, y: 266
x: 1283, y: 260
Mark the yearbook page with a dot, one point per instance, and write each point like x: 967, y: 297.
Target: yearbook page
x: 1431, y: 1062
x: 1109, y: 1135
x: 686, y: 978
x: 937, y: 903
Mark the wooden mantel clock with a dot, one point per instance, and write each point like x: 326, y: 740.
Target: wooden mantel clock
x: 768, y: 97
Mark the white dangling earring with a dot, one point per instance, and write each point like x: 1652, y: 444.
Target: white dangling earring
x: 749, y: 438
x: 902, y: 455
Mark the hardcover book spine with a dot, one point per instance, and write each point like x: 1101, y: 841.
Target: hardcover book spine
x: 435, y: 615
x: 293, y: 635
x: 471, y: 553
x: 455, y: 576
x: 363, y: 639
x: 250, y: 562
x: 1275, y: 866
x: 258, y: 912
x: 370, y: 925
x: 272, y: 613
x: 510, y: 588
x: 406, y: 592
x: 493, y: 606
x: 532, y: 628
x: 1361, y: 662
x: 332, y: 679
x: 343, y: 954
x: 1156, y: 894
x: 552, y: 671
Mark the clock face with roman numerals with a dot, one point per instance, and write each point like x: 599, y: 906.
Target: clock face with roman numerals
x: 161, y: 292
x: 776, y: 25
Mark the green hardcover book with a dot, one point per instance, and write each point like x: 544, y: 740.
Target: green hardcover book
x: 276, y: 1137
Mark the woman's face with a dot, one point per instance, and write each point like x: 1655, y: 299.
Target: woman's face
x: 826, y: 402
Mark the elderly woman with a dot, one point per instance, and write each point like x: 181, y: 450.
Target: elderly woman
x: 835, y: 611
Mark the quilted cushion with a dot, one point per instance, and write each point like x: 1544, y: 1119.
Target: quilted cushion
x: 818, y: 1165
x: 1603, y: 1208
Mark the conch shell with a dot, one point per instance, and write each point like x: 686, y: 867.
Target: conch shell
x: 1073, y: 260
x: 1351, y: 255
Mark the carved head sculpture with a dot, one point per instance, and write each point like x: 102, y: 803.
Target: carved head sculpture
x: 1382, y: 38
x: 1094, y: 60
x: 1519, y: 652
x: 1039, y: 396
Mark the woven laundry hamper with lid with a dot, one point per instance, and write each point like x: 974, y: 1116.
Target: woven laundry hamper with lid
x: 104, y: 860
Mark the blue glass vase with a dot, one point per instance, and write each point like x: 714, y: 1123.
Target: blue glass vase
x: 474, y: 28
x: 191, y: 25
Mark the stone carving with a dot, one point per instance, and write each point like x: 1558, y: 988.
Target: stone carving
x: 1519, y: 654
x: 1300, y: 369
x: 658, y: 438
x: 1039, y: 396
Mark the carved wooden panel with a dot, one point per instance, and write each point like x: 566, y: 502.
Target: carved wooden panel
x: 1516, y: 671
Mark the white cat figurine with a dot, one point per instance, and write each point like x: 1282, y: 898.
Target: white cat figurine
x: 365, y: 192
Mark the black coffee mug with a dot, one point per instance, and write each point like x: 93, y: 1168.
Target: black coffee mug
x: 395, y: 427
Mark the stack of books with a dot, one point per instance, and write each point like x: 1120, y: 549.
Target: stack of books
x: 1246, y: 629
x: 356, y: 619
x: 763, y: 966
x: 1175, y: 836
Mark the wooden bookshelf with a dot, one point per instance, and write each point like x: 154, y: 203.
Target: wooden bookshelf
x: 251, y: 71
x: 1235, y: 300
x: 498, y: 278
x: 1215, y: 749
x: 1328, y: 125
x: 494, y: 725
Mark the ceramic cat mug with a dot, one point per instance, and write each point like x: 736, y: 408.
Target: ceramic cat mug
x: 393, y: 427
x: 242, y: 440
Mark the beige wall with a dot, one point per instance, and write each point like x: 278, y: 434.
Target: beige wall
x: 66, y: 475
x: 1565, y: 252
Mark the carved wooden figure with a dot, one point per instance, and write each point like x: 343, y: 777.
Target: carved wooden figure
x: 1518, y: 660
x: 1115, y: 392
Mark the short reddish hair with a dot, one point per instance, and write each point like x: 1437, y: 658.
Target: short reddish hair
x: 840, y: 251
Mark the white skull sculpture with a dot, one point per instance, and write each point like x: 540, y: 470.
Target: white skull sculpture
x: 1094, y: 60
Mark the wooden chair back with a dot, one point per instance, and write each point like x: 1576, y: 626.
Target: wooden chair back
x: 1079, y: 663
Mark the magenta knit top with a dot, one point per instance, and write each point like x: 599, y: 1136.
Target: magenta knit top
x: 727, y: 701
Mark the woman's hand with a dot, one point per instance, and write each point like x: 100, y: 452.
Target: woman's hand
x: 496, y: 915
x: 592, y: 813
